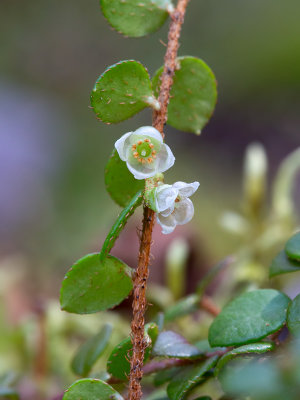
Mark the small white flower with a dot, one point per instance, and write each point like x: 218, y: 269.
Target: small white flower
x: 173, y: 206
x: 144, y: 152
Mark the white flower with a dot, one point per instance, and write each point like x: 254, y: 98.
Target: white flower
x: 173, y: 206
x: 144, y: 152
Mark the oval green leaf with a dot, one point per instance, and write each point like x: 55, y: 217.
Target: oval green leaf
x: 193, y: 95
x: 90, y: 351
x: 135, y: 18
x: 94, y: 285
x: 293, y: 316
x: 119, y: 181
x: 91, y: 389
x: 121, y: 91
x: 292, y: 247
x: 253, y: 348
x: 282, y: 265
x: 249, y: 318
x: 189, y: 378
x: 170, y: 344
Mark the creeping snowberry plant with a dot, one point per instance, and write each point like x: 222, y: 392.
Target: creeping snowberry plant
x: 182, y: 93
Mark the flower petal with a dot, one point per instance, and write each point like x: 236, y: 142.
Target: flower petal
x: 165, y: 159
x: 121, y: 145
x: 140, y: 171
x: 149, y: 131
x: 184, y: 212
x: 186, y: 189
x: 168, y: 224
x: 165, y: 199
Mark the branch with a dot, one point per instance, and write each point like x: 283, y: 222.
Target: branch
x: 139, y: 291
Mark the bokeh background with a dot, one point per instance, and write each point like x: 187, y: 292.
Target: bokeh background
x: 53, y: 204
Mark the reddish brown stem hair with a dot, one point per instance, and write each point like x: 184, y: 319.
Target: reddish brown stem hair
x: 140, y: 281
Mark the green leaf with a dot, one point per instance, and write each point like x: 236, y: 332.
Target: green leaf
x: 189, y: 378
x: 170, y: 344
x: 120, y: 182
x: 120, y: 223
x: 293, y: 316
x: 118, y: 364
x: 193, y: 95
x: 282, y: 265
x: 90, y: 351
x: 94, y: 285
x: 292, y: 247
x: 122, y: 91
x: 135, y: 18
x: 256, y: 348
x: 152, y: 330
x: 91, y: 389
x: 249, y: 318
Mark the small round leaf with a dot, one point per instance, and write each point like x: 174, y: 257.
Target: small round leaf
x: 136, y: 18
x: 91, y: 389
x: 120, y: 182
x: 193, y: 95
x: 292, y: 247
x: 249, y: 317
x: 93, y: 285
x: 121, y: 91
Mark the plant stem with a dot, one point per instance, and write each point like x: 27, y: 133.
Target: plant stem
x: 142, y: 271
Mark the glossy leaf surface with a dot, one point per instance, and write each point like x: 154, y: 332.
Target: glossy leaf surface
x: 119, y: 181
x: 171, y: 344
x: 282, y: 265
x: 93, y: 285
x: 249, y: 318
x: 193, y: 95
x: 91, y: 389
x: 90, y: 351
x: 135, y: 18
x: 121, y: 91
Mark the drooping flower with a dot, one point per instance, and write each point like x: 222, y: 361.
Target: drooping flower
x: 173, y: 206
x: 144, y: 152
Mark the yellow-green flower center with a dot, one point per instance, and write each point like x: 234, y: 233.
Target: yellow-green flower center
x: 144, y: 151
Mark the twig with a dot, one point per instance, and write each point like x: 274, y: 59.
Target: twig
x: 142, y: 272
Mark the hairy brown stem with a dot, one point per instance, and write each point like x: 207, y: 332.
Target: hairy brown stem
x: 139, y: 291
